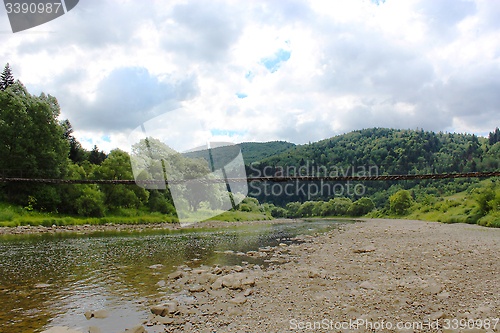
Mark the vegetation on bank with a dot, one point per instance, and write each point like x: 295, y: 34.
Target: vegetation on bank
x: 479, y: 204
x: 34, y: 143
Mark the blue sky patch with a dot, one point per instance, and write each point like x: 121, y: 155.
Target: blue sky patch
x: 240, y: 95
x: 249, y: 76
x: 378, y: 2
x: 274, y: 62
x: 227, y: 132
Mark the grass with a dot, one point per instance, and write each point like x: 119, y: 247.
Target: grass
x: 457, y: 208
x: 13, y: 216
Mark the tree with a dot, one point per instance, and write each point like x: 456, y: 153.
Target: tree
x: 361, y: 207
x: 400, y: 202
x: 32, y: 144
x: 117, y: 167
x: 96, y: 156
x: 6, y: 79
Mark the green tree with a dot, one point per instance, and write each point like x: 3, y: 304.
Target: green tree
x: 6, y: 79
x: 117, y: 167
x: 32, y: 144
x: 293, y: 209
x: 306, y: 209
x: 96, y: 156
x: 400, y: 202
x: 361, y: 207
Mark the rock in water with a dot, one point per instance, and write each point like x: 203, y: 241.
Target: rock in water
x: 60, y: 329
x: 136, y: 329
x: 88, y: 315
x: 101, y: 314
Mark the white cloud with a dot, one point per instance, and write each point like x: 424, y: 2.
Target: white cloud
x: 116, y: 64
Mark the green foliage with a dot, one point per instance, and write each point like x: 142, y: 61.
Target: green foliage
x: 338, y: 207
x: 157, y: 202
x: 278, y: 212
x: 6, y: 79
x: 487, y: 200
x: 306, y: 209
x: 361, y: 207
x: 400, y: 202
x: 117, y: 167
x: 31, y: 144
x: 293, y: 209
x: 90, y: 203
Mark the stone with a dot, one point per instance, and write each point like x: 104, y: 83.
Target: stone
x: 231, y: 281
x: 42, y: 285
x: 196, y: 288
x: 248, y: 281
x: 175, y: 275
x: 366, y: 285
x: 157, y: 266
x: 88, y: 315
x: 161, y: 283
x: 432, y: 290
x: 238, y: 300
x: 313, y: 273
x: 436, y: 315
x: 101, y: 314
x: 159, y: 310
x: 234, y: 311
x: 171, y: 306
x: 443, y: 295
x: 136, y: 329
x: 61, y: 329
x: 238, y: 268
x: 94, y: 329
x: 164, y: 309
x: 366, y: 249
x: 217, y: 284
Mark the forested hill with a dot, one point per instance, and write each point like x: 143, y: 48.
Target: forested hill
x: 395, y: 151
x: 251, y: 151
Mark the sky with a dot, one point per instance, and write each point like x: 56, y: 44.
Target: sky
x: 238, y: 71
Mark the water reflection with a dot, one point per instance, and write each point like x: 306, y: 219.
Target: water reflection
x: 53, y: 279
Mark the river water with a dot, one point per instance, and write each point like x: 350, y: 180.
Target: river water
x: 52, y: 280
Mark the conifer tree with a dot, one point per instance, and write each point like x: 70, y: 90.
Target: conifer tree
x: 6, y: 79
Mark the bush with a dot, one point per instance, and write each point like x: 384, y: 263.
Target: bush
x: 90, y: 203
x: 400, y: 202
x: 6, y: 215
x: 361, y: 207
x: 293, y: 209
x: 306, y: 209
x: 278, y: 212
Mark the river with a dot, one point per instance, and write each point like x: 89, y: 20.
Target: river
x: 52, y: 280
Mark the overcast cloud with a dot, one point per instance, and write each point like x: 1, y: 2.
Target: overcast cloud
x: 265, y: 70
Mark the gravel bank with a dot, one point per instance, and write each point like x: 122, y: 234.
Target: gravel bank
x: 89, y: 228
x: 401, y: 272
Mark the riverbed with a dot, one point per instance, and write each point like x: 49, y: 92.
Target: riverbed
x: 52, y: 278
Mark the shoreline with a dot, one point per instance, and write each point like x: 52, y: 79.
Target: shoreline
x: 111, y: 227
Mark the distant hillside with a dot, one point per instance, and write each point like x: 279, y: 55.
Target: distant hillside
x: 251, y: 152
x: 395, y: 151
x: 386, y: 151
x: 257, y: 151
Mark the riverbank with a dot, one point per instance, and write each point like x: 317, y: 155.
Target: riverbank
x: 90, y: 228
x: 378, y: 272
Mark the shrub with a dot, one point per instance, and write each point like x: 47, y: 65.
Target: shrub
x: 400, y: 202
